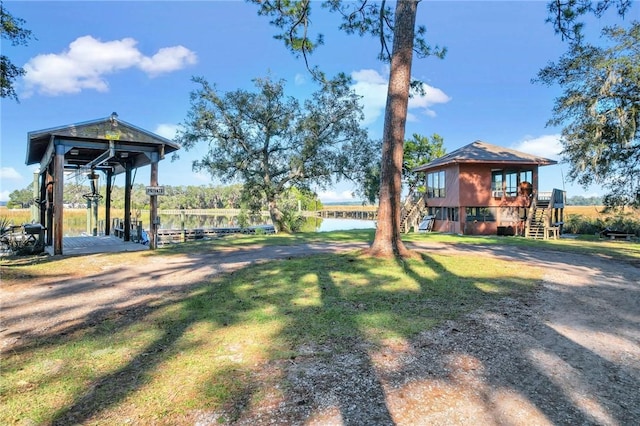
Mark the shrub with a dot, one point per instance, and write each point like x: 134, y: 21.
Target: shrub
x: 578, y: 224
x: 292, y: 221
x: 243, y: 218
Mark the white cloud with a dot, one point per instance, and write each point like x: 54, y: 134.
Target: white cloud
x: 167, y: 130
x: 432, y: 96
x: 87, y: 62
x: 334, y: 196
x: 372, y: 86
x: 9, y: 173
x: 167, y: 59
x: 299, y: 79
x: 547, y: 146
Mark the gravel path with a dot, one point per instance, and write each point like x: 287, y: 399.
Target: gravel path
x: 569, y: 354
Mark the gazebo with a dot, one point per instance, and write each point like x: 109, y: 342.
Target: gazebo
x: 108, y: 145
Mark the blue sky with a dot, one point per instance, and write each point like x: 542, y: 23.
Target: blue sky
x: 91, y: 58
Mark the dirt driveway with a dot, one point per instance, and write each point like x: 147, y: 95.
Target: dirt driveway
x: 569, y: 354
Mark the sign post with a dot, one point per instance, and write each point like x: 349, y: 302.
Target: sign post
x: 153, y: 191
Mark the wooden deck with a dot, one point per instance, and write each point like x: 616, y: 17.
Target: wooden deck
x: 341, y: 213
x: 101, y: 244
x: 168, y: 236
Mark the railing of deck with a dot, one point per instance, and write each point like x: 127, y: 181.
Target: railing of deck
x: 558, y: 198
x: 411, y: 210
x: 413, y: 216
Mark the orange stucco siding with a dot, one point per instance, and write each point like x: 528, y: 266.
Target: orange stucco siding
x: 475, y: 185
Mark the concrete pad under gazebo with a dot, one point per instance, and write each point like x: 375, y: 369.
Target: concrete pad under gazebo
x: 107, y: 145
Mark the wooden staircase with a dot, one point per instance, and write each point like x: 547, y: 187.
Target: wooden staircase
x: 545, y: 207
x: 411, y: 212
x: 537, y: 219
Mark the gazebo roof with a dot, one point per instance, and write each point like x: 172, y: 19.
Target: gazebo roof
x: 105, y: 144
x: 482, y: 152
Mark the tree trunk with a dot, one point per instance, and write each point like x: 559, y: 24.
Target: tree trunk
x: 275, y: 214
x: 387, y: 242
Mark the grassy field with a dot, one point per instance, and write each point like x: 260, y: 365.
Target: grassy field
x: 217, y: 346
x: 24, y: 215
x: 590, y: 212
x: 71, y: 216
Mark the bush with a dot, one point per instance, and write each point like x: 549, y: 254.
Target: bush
x: 578, y: 224
x: 292, y: 221
x: 243, y: 218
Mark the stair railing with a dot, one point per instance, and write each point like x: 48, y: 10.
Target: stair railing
x: 411, y: 210
x: 413, y: 214
x: 408, y: 203
x: 530, y: 214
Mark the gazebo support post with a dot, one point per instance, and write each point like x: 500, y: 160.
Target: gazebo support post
x: 107, y: 204
x: 58, y: 198
x: 42, y: 199
x: 35, y: 191
x: 127, y: 202
x: 49, y: 213
x: 153, y: 204
x: 89, y: 202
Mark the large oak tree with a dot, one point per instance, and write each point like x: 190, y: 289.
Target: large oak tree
x: 600, y: 113
x: 271, y: 142
x: 599, y: 109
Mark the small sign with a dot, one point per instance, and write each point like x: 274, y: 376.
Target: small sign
x: 155, y: 190
x: 112, y: 136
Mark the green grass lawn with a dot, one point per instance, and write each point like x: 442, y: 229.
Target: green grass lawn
x: 224, y: 343
x: 585, y: 244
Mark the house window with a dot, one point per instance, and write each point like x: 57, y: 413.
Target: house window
x: 526, y: 176
x: 506, y: 183
x: 438, y: 213
x: 436, y: 185
x: 481, y: 214
x: 496, y: 183
x: 452, y: 214
x: 511, y: 183
x: 444, y: 213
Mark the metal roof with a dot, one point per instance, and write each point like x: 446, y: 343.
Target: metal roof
x: 482, y: 152
x: 105, y: 143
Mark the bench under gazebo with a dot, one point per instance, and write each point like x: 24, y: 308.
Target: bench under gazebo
x: 106, y: 145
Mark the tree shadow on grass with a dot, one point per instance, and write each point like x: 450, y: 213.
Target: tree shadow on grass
x: 324, y: 327
x: 506, y: 358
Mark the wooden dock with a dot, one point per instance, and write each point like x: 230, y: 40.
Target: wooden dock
x: 337, y: 212
x: 169, y: 236
x: 366, y: 213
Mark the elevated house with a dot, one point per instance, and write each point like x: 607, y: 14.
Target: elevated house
x: 484, y: 189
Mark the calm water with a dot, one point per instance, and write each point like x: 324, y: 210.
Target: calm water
x: 317, y: 224
x: 345, y: 224
x: 202, y: 221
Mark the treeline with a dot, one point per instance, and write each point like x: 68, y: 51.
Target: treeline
x: 196, y: 197
x: 578, y: 200
x: 176, y: 197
